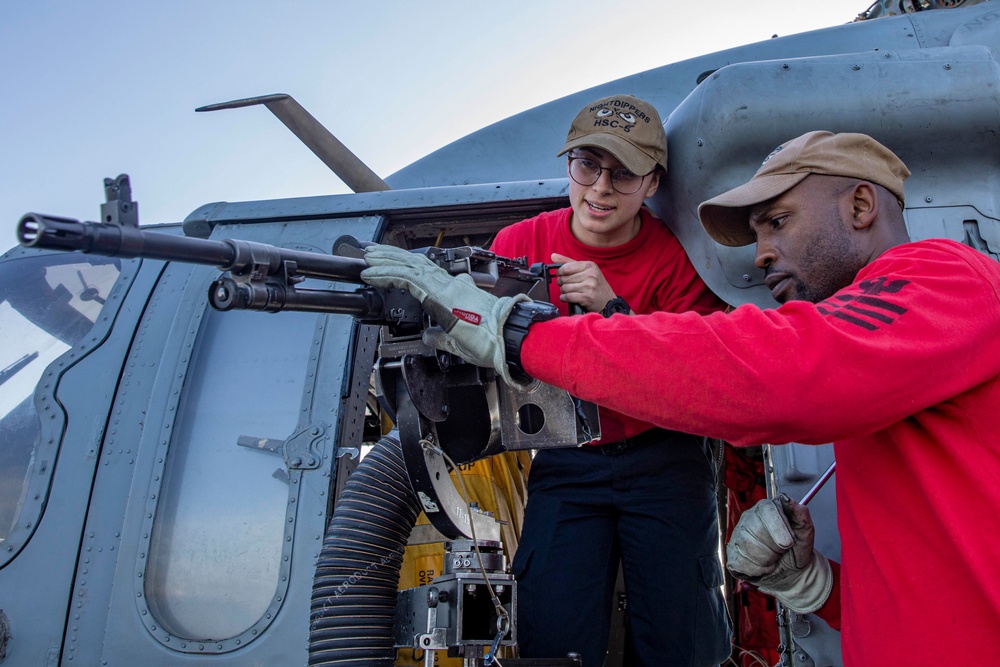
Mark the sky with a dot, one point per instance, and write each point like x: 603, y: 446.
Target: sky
x: 92, y: 88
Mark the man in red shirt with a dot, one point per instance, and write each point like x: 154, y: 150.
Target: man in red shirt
x: 642, y: 496
x: 886, y: 347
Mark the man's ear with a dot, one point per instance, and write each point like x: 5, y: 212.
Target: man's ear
x: 864, y: 205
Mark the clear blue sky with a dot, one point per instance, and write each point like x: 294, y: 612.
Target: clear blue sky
x: 92, y: 88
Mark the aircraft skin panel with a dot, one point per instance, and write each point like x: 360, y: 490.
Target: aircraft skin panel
x: 74, y: 397
x: 438, y: 205
x: 933, y: 107
x: 524, y: 146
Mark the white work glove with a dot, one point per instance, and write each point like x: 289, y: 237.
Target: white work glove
x: 772, y: 548
x: 471, y: 319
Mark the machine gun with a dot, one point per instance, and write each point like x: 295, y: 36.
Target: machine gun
x: 415, y: 384
x: 447, y: 412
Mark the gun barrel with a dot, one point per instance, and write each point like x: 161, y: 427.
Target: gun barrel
x: 239, y: 257
x: 112, y: 240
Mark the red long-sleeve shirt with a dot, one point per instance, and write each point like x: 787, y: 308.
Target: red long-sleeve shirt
x: 651, y: 272
x: 901, y: 370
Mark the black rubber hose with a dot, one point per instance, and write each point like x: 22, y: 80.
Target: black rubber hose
x: 354, y: 591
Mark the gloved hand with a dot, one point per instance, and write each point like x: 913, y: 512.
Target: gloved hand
x: 471, y: 319
x: 772, y: 548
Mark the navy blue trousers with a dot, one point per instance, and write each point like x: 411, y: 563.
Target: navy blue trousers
x: 650, y: 503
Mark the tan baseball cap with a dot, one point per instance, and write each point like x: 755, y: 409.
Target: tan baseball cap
x: 625, y: 126
x: 726, y: 217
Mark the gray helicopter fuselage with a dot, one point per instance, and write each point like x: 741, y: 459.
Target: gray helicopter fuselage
x: 139, y: 522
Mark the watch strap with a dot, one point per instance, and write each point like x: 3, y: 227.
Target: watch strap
x: 616, y: 305
x: 515, y: 328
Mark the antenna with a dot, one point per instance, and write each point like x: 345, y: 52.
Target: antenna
x: 316, y: 137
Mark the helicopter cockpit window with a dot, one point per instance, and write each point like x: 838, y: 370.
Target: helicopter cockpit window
x: 48, y: 303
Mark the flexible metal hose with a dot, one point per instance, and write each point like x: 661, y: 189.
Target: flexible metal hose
x: 354, y: 590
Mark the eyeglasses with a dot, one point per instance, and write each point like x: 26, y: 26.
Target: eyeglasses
x: 587, y: 172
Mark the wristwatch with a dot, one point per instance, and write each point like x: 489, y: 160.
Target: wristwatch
x: 522, y: 316
x: 616, y: 305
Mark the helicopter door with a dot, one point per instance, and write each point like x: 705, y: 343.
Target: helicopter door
x: 60, y: 361
x: 219, y: 469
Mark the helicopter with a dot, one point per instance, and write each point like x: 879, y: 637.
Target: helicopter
x: 172, y: 473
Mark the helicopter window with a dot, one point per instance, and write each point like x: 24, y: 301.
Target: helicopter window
x: 48, y: 303
x: 216, y: 545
